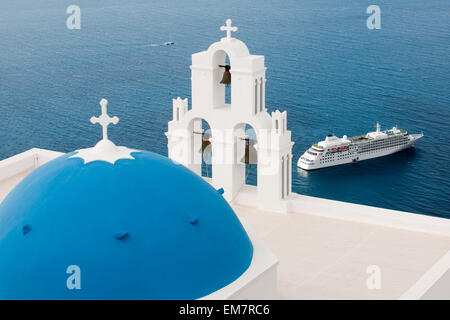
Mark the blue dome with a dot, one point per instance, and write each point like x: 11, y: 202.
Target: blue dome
x: 139, y: 229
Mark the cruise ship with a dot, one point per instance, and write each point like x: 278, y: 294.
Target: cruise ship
x: 334, y: 151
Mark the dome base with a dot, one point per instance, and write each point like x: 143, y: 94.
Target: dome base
x: 104, y: 150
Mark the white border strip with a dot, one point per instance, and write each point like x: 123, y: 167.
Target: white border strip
x: 300, y: 204
x: 428, y: 279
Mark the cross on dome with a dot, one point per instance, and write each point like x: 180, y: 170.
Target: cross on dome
x: 104, y: 119
x: 105, y: 149
x: 228, y: 28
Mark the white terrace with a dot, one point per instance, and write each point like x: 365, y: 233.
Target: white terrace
x: 324, y: 247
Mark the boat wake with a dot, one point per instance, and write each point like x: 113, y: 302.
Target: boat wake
x: 167, y: 43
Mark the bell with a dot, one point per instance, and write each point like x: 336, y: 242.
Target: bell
x: 207, y: 156
x: 205, y: 140
x: 251, y: 155
x: 205, y: 144
x: 206, y: 151
x: 226, y: 78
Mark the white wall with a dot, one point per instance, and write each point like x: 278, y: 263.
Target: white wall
x: 25, y: 161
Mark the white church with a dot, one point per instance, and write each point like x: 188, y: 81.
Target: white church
x: 102, y: 222
x: 227, y: 123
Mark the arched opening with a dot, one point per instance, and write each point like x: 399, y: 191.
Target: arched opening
x: 201, y: 147
x: 246, y: 154
x: 222, y: 78
x: 227, y: 87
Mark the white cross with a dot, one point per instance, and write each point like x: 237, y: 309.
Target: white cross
x: 104, y: 120
x: 228, y: 28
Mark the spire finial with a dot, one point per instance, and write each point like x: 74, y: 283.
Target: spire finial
x: 228, y: 28
x: 104, y: 119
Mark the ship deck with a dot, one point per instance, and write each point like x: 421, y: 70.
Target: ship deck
x: 358, y: 139
x: 363, y: 138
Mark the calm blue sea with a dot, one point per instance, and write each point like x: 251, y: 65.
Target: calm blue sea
x: 325, y: 68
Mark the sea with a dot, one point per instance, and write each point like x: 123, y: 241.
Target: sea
x: 324, y: 66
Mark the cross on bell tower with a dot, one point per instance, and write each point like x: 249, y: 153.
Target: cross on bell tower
x: 228, y: 28
x: 104, y: 119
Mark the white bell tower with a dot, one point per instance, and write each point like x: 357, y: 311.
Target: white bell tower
x: 228, y: 121
x: 247, y: 71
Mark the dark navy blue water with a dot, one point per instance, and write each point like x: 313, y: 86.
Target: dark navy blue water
x: 329, y: 72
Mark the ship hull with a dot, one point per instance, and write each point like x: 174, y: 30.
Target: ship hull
x: 357, y: 157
